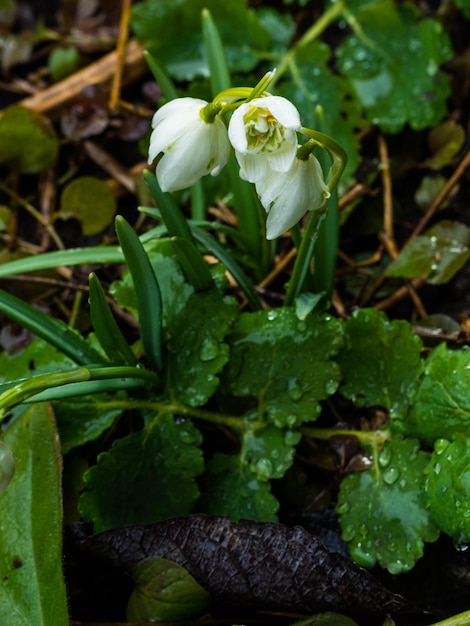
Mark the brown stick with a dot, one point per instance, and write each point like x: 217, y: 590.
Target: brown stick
x: 102, y: 71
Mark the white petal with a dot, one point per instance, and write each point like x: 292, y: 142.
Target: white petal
x: 282, y: 109
x: 282, y: 159
x: 236, y: 128
x: 178, y: 107
x: 288, y: 196
x: 253, y: 167
x: 203, y: 149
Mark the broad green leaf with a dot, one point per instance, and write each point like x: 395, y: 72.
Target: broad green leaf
x: 390, y: 36
x: 7, y: 465
x: 269, y: 452
x: 445, y: 142
x: 380, y: 361
x: 84, y: 419
x: 234, y: 490
x: 32, y: 589
x: 312, y: 85
x: 152, y: 472
x: 38, y: 357
x: 383, y: 510
x: 440, y: 252
x: 464, y: 5
x: 90, y: 201
x: 196, y: 351
x: 164, y: 592
x: 171, y: 31
x: 282, y: 364
x: 62, y: 62
x: 442, y: 405
x: 448, y: 487
x: 28, y: 143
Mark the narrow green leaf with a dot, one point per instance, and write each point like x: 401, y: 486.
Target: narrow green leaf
x: 161, y: 76
x: 71, y: 257
x: 105, y: 326
x: 213, y: 246
x: 172, y: 215
x: 192, y: 262
x: 32, y: 589
x: 147, y: 292
x: 50, y: 329
x: 215, y: 54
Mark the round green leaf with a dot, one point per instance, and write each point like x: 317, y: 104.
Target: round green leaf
x: 28, y: 144
x: 164, y: 591
x: 383, y: 510
x: 90, y: 201
x: 448, y: 487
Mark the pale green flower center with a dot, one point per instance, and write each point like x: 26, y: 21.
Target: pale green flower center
x: 263, y: 131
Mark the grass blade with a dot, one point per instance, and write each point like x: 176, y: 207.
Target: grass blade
x: 50, y: 329
x: 105, y: 326
x: 147, y: 292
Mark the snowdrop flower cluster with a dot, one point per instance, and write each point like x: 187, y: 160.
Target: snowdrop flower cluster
x: 193, y: 139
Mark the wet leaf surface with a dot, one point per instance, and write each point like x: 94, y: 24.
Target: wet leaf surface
x: 261, y: 566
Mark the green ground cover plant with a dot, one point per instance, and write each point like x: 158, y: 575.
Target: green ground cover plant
x: 202, y: 402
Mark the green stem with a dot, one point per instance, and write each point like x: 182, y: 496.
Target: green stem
x: 378, y: 437
x: 27, y: 388
x: 328, y: 17
x: 304, y: 255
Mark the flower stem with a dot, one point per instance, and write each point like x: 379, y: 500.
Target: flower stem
x: 328, y: 17
x: 304, y: 255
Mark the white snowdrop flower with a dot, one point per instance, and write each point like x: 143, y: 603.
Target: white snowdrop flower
x: 191, y: 146
x: 287, y: 196
x: 263, y: 134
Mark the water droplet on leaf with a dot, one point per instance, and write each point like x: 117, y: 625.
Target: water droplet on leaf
x: 209, y: 350
x: 391, y: 475
x: 385, y: 457
x: 264, y: 468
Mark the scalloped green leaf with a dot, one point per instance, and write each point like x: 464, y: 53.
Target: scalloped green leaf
x: 153, y: 474
x: 28, y: 143
x: 442, y: 404
x: 441, y: 252
x: 383, y: 510
x: 32, y: 589
x: 282, y: 364
x: 269, y: 452
x: 380, y: 361
x: 196, y: 351
x: 171, y: 31
x: 85, y: 418
x: 391, y: 36
x: 448, y: 487
x: 234, y: 490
